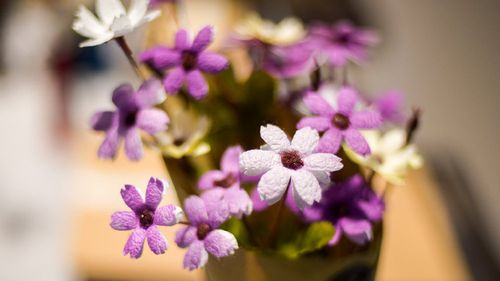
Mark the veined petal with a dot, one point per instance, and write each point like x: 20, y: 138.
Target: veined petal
x: 273, y: 184
x: 318, y: 105
x: 347, y: 99
x: 239, y: 202
x: 357, y: 142
x: 108, y: 10
x: 196, y: 210
x: 135, y: 243
x: 152, y: 121
x: 366, y: 120
x: 196, y: 84
x: 133, y: 145
x: 330, y: 141
x: 196, y: 256
x: 124, y: 220
x: 217, y: 207
x: 317, y: 122
x: 156, y: 241
x: 306, y: 186
x: 132, y: 197
x: 154, y: 192
x: 220, y: 243
x: 185, y: 236
x: 168, y: 215
x: 305, y: 140
x: 323, y: 162
x: 174, y: 80
x: 231, y: 159
x: 256, y: 162
x: 108, y: 148
x: 203, y: 39
x: 211, y: 62
x: 274, y: 137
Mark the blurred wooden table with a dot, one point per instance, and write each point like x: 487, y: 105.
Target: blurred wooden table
x: 418, y: 242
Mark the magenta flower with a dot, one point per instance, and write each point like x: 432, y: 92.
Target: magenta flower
x: 226, y: 183
x: 343, y: 42
x: 202, y: 236
x: 341, y: 123
x: 135, y: 111
x: 287, y: 61
x: 351, y: 206
x: 390, y: 106
x: 144, y: 218
x: 187, y: 61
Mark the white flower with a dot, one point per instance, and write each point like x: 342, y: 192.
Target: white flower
x: 390, y: 157
x: 281, y: 162
x: 113, y: 20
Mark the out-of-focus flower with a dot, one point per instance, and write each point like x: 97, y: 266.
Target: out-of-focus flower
x: 134, y: 111
x: 226, y: 183
x: 145, y: 218
x: 202, y: 236
x: 351, y: 206
x: 187, y: 61
x: 390, y: 106
x: 391, y: 157
x: 283, y: 163
x: 287, y: 61
x: 255, y: 29
x: 113, y: 20
x: 343, y: 42
x: 341, y: 123
x: 158, y: 2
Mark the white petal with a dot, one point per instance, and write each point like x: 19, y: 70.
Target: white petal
x: 86, y: 24
x: 392, y: 141
x: 306, y: 186
x: 256, y: 162
x: 305, y: 140
x: 323, y: 177
x: 274, y: 137
x: 272, y: 185
x: 137, y: 10
x: 108, y: 10
x: 97, y: 41
x: 121, y: 26
x: 148, y: 17
x: 323, y: 162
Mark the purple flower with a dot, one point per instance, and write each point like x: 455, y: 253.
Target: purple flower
x: 186, y: 61
x: 202, y: 236
x: 144, y: 218
x: 341, y: 123
x: 343, y: 42
x: 351, y: 206
x: 135, y: 111
x: 287, y: 61
x: 226, y: 183
x: 390, y: 106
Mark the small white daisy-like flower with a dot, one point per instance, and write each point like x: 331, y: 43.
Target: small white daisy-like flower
x: 283, y: 162
x: 113, y: 20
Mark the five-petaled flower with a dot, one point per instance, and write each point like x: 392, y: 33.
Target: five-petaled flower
x: 285, y: 163
x: 202, y: 236
x: 134, y: 112
x: 186, y: 61
x: 340, y: 123
x: 113, y: 20
x: 145, y: 217
x: 226, y: 183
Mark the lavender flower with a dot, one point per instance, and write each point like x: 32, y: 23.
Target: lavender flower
x: 134, y: 112
x: 186, y: 61
x: 389, y: 105
x: 351, y: 206
x: 341, y: 123
x: 226, y: 183
x: 343, y: 42
x: 144, y: 218
x: 283, y: 162
x: 202, y: 236
x: 287, y: 61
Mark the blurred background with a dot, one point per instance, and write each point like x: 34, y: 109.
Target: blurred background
x: 56, y: 196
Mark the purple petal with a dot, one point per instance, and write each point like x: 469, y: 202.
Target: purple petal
x: 390, y: 105
x: 185, y: 236
x: 317, y: 122
x: 230, y: 161
x: 135, y: 243
x: 196, y: 84
x: 181, y: 40
x: 152, y: 121
x: 122, y: 96
x: 156, y: 241
x: 209, y: 178
x: 318, y: 105
x: 330, y: 141
x: 168, y: 215
x: 174, y: 80
x: 346, y: 100
x: 132, y: 197
x: 366, y: 120
x: 102, y: 121
x: 108, y: 148
x: 336, y: 236
x: 203, y: 39
x: 149, y: 94
x: 358, y: 231
x: 216, y: 206
x: 258, y: 204
x: 338, y: 56
x: 196, y: 256
x: 196, y: 210
x: 220, y: 243
x: 357, y: 142
x: 154, y: 193
x: 133, y: 145
x: 161, y: 57
x: 239, y: 202
x: 211, y: 62
x: 124, y: 220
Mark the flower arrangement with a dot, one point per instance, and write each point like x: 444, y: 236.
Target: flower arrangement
x: 243, y: 182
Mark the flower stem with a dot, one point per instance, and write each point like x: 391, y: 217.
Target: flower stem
x: 271, y: 241
x: 184, y: 223
x: 128, y: 53
x: 251, y: 236
x: 412, y: 125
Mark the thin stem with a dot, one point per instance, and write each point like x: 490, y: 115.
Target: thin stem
x: 370, y: 177
x: 128, y: 53
x: 412, y: 125
x: 248, y: 228
x: 184, y: 223
x: 275, y: 226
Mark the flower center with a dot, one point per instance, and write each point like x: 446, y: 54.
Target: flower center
x: 203, y: 230
x: 226, y: 182
x: 130, y: 118
x: 291, y: 159
x: 343, y: 38
x: 146, y: 218
x: 179, y: 141
x: 189, y: 60
x: 341, y: 121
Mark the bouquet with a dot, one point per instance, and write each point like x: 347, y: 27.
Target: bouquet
x: 290, y: 161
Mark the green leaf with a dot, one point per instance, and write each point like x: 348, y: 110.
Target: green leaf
x: 315, y: 237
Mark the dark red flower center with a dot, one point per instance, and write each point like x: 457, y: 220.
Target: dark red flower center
x: 179, y: 141
x: 341, y: 121
x: 291, y: 159
x: 130, y: 118
x: 343, y: 38
x: 146, y: 218
x: 203, y: 230
x: 226, y: 182
x: 189, y: 60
